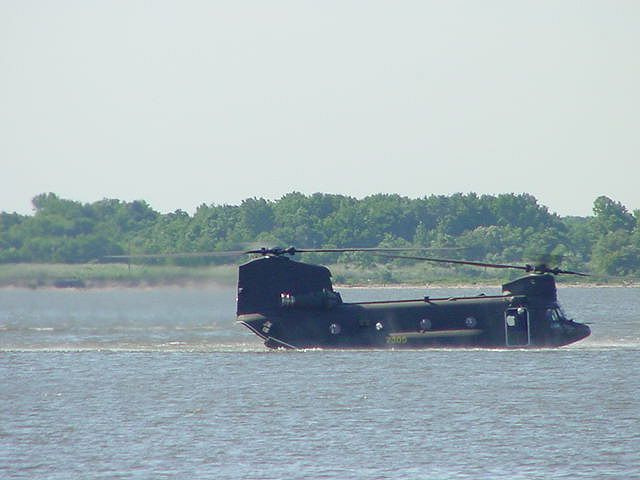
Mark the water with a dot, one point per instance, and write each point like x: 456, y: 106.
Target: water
x: 160, y: 383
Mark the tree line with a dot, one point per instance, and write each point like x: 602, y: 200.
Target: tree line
x: 502, y: 228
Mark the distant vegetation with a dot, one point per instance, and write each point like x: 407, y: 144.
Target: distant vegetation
x: 504, y: 228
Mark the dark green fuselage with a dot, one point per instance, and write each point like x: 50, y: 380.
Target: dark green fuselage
x: 291, y: 304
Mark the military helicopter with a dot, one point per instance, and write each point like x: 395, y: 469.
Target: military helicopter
x: 292, y: 305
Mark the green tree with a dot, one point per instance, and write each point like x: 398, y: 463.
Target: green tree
x: 610, y: 216
x: 616, y: 254
x: 256, y: 216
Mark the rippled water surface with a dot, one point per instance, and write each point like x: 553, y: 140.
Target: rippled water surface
x: 161, y: 383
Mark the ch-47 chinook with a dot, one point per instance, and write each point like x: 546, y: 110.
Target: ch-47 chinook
x: 291, y: 304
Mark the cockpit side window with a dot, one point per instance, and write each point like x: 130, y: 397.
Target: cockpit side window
x: 554, y: 315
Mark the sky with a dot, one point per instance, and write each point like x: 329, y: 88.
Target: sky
x: 183, y: 103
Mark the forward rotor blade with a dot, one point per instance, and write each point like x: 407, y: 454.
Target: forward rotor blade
x: 526, y: 268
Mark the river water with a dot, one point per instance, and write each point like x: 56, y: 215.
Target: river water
x: 160, y: 383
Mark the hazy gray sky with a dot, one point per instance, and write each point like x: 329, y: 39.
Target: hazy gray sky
x: 188, y: 102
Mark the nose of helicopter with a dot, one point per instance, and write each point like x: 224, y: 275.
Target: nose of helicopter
x: 581, y: 331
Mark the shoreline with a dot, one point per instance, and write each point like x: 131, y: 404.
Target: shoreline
x: 210, y: 283
x: 109, y: 276
x: 480, y: 286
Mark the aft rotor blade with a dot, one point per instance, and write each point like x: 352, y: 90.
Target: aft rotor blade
x: 260, y: 251
x: 557, y: 271
x: 294, y: 250
x: 175, y: 255
x: 372, y: 249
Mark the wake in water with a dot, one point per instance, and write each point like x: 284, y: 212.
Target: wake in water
x: 258, y: 347
x: 171, y: 347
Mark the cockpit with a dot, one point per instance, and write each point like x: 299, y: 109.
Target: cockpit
x: 563, y: 327
x: 555, y: 315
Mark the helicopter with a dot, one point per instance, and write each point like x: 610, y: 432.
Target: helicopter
x: 292, y: 305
